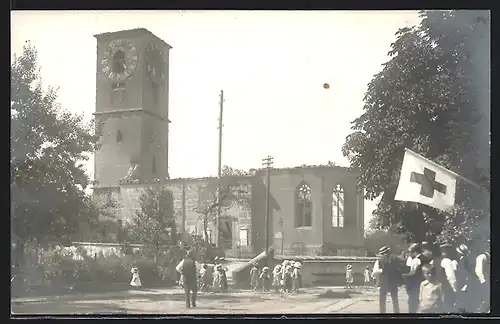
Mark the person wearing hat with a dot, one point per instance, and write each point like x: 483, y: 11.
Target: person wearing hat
x: 296, y: 277
x: 265, y: 279
x: 277, y: 278
x: 349, y: 278
x: 465, y: 277
x: 415, y: 276
x: 254, y: 277
x: 216, y: 284
x: 287, y: 278
x: 482, y: 270
x: 446, y: 267
x: 188, y: 271
x: 388, y: 269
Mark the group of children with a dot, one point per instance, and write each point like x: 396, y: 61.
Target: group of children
x: 349, y: 277
x: 284, y: 277
x: 213, y: 281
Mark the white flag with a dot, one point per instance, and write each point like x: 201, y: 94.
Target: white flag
x: 426, y: 182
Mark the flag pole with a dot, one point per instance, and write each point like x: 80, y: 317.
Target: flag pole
x: 449, y: 171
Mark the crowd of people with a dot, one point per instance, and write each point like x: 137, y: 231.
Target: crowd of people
x: 285, y: 277
x: 444, y: 279
x: 438, y: 279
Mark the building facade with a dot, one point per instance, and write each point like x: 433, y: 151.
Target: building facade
x: 313, y: 210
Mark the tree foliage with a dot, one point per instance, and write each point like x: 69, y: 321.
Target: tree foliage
x: 154, y: 224
x: 48, y: 145
x: 430, y: 97
x: 378, y: 238
x: 230, y: 192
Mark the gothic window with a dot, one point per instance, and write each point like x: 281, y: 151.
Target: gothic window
x: 153, y: 167
x: 338, y: 206
x: 303, y: 213
x: 119, y: 137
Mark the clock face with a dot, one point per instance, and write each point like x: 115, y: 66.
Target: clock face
x: 119, y: 60
x: 156, y: 63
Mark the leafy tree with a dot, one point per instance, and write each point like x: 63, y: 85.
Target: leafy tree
x: 430, y: 97
x: 48, y: 179
x: 154, y: 224
x: 378, y: 238
x: 231, y: 192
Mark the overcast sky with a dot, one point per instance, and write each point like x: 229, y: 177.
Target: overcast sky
x: 271, y: 66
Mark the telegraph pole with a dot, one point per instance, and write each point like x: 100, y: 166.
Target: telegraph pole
x: 267, y: 162
x: 219, y: 172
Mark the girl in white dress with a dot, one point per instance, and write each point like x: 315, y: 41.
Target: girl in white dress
x: 136, y: 280
x: 349, y: 278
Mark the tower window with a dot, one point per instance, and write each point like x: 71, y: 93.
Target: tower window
x: 303, y: 211
x: 119, y: 137
x: 153, y: 167
x: 338, y: 206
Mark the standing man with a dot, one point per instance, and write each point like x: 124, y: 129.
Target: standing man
x: 415, y: 277
x: 427, y: 251
x: 465, y: 278
x: 482, y: 270
x: 447, y: 274
x: 387, y: 268
x: 188, y: 271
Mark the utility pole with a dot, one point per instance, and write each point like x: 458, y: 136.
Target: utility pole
x: 219, y: 172
x: 267, y: 162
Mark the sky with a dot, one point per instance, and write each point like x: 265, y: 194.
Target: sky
x: 271, y: 65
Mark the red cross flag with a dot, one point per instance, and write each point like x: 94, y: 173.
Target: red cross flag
x: 426, y: 182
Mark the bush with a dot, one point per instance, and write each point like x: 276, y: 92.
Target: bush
x: 67, y: 270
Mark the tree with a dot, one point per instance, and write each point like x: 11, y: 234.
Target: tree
x: 231, y: 192
x: 378, y: 238
x: 430, y: 98
x: 48, y: 144
x: 154, y: 224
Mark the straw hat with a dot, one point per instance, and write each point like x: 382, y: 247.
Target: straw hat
x: 446, y: 246
x: 265, y: 269
x: 414, y: 247
x: 383, y: 250
x: 463, y: 249
x: 349, y: 267
x: 277, y: 267
x: 297, y: 265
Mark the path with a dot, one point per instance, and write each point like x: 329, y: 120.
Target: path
x: 171, y: 301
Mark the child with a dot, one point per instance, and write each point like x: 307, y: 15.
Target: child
x: 254, y: 277
x: 205, y: 278
x: 136, y: 280
x: 367, y: 276
x: 349, y: 279
x: 288, y: 279
x: 431, y: 293
x: 277, y: 278
x: 265, y: 279
x: 216, y: 277
x: 223, y: 279
x: 296, y: 277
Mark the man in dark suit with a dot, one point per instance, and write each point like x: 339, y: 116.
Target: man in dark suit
x: 415, y: 276
x: 187, y: 268
x: 388, y: 267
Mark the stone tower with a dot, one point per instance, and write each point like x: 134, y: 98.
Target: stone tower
x: 131, y: 107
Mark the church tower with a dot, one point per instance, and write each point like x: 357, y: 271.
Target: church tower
x: 131, y: 107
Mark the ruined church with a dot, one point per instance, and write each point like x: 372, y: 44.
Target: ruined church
x: 315, y: 210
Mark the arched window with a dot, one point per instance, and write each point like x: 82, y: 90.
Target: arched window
x: 338, y: 206
x: 303, y: 213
